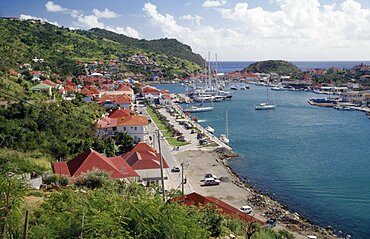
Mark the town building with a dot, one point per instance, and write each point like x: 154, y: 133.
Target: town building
x: 91, y: 160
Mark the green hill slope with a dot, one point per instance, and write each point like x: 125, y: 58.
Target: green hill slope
x: 169, y: 47
x: 21, y: 41
x: 273, y: 66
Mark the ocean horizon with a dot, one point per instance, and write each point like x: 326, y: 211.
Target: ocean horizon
x: 230, y: 66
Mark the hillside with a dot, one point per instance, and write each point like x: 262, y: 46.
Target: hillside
x: 21, y: 41
x: 273, y: 66
x: 169, y: 47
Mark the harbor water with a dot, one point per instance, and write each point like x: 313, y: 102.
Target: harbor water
x: 314, y: 160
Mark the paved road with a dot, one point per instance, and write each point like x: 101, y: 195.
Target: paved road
x: 173, y: 179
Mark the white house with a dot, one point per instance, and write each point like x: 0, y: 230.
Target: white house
x: 145, y: 160
x: 134, y: 125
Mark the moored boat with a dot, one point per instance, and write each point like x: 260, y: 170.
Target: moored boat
x: 210, y: 129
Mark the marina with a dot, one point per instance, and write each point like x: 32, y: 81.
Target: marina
x: 312, y: 159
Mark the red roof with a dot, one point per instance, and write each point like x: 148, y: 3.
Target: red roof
x: 150, y: 90
x: 121, y: 112
x: 86, y: 92
x: 199, y: 200
x: 49, y: 82
x: 70, y: 83
x: 132, y: 120
x: 106, y: 122
x: 125, y: 88
x: 90, y: 160
x: 143, y: 156
x: 115, y: 99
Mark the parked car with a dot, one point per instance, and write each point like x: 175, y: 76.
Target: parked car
x: 211, y: 182
x: 203, y: 141
x: 270, y: 222
x: 193, y: 131
x: 181, y: 139
x: 175, y: 169
x: 209, y: 175
x: 246, y: 209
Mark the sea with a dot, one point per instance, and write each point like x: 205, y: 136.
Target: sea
x: 229, y: 66
x: 314, y: 160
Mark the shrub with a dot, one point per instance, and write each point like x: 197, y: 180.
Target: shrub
x: 60, y: 180
x: 93, y: 179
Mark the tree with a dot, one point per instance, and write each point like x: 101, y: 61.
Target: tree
x: 124, y: 142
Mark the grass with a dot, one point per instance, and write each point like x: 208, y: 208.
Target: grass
x: 162, y: 127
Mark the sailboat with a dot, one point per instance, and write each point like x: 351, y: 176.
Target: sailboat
x: 225, y: 137
x: 200, y: 108
x: 266, y: 105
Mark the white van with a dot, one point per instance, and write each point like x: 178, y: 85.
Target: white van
x: 211, y: 181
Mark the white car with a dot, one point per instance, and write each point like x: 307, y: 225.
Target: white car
x: 246, y: 209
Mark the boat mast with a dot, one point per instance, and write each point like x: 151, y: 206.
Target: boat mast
x: 226, y: 126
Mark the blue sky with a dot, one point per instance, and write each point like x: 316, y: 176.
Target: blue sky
x: 234, y: 29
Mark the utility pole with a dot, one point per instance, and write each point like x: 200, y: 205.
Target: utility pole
x: 182, y: 178
x: 25, y: 227
x: 161, y: 164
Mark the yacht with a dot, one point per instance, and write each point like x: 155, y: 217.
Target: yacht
x: 210, y: 129
x: 265, y: 106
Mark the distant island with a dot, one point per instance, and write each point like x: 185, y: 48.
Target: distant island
x: 273, y: 66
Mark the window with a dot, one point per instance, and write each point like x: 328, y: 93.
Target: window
x: 135, y: 128
x: 124, y: 128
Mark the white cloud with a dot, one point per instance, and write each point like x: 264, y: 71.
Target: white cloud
x: 29, y: 17
x: 52, y: 7
x: 297, y: 30
x: 105, y: 14
x: 89, y: 21
x: 128, y: 31
x: 214, y: 3
x: 194, y: 19
x: 92, y: 21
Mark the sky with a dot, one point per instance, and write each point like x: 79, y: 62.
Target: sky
x: 235, y: 30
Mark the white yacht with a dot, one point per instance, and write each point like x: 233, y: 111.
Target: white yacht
x: 210, y: 129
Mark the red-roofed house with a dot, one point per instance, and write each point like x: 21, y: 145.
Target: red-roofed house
x: 195, y: 199
x: 123, y: 90
x: 90, y: 160
x: 49, y: 82
x: 121, y: 112
x: 136, y: 126
x: 145, y: 160
x: 123, y: 101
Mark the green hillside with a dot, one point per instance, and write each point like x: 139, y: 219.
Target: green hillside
x: 169, y: 47
x: 21, y: 41
x: 273, y: 66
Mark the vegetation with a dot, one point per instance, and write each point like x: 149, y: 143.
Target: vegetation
x: 113, y: 209
x: 54, y: 131
x: 274, y: 66
x: 21, y: 41
x: 165, y: 127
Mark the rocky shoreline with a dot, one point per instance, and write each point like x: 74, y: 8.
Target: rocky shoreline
x: 272, y: 208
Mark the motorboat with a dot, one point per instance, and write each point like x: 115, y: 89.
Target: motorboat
x: 210, y: 129
x: 196, y: 109
x: 265, y: 106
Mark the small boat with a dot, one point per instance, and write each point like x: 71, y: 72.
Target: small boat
x: 233, y: 87
x: 196, y: 109
x: 278, y: 88
x: 225, y: 137
x: 244, y: 87
x: 265, y: 106
x: 210, y: 129
x: 201, y: 120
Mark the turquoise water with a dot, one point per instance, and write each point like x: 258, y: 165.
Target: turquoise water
x: 314, y: 160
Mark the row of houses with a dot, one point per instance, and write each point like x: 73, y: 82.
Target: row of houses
x: 141, y: 164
